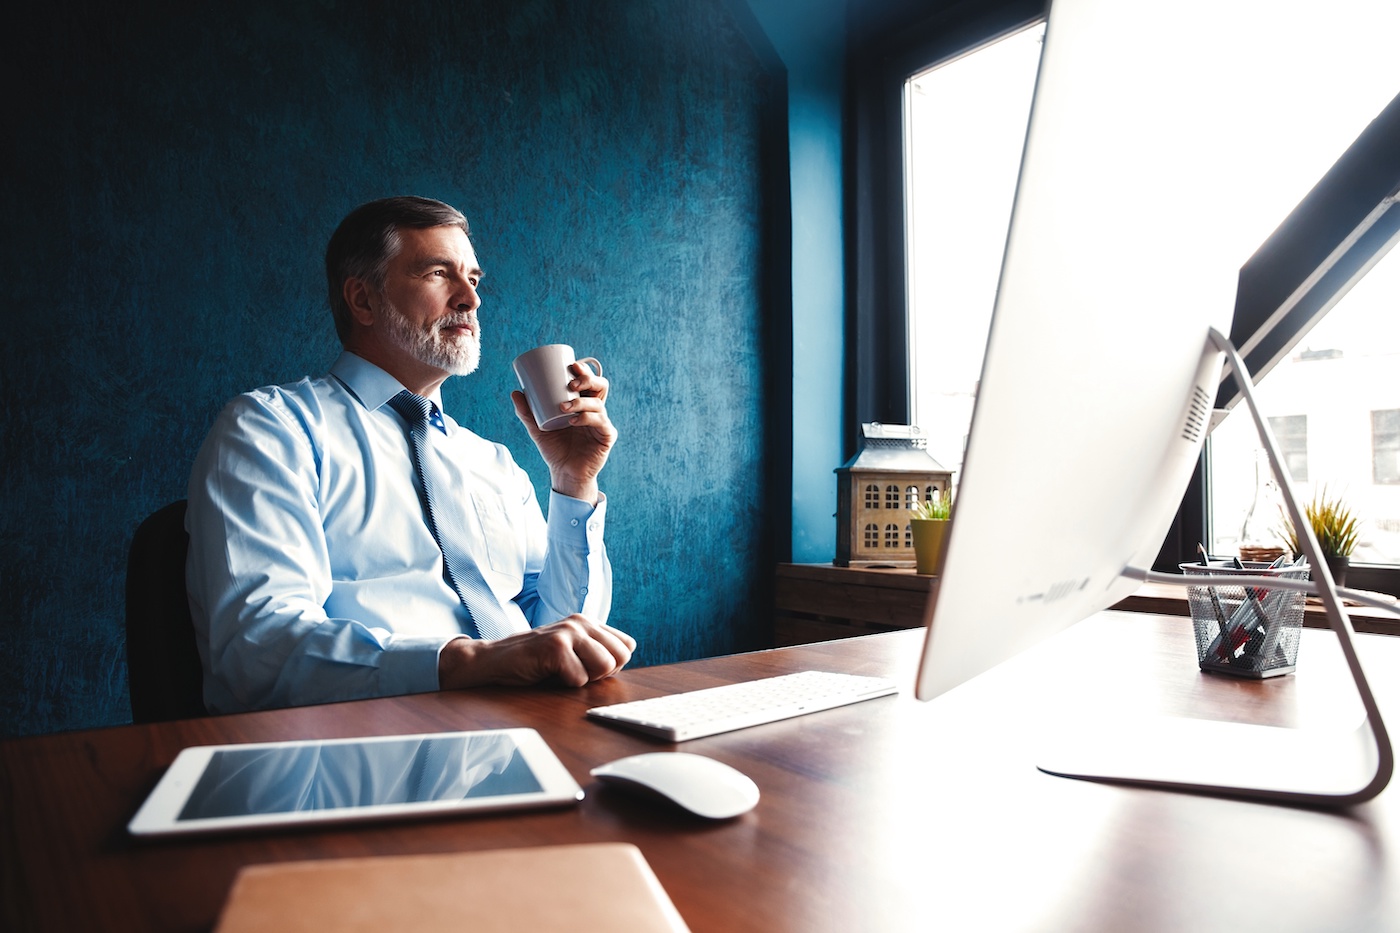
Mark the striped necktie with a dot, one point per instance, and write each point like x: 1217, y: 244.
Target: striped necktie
x: 443, y: 508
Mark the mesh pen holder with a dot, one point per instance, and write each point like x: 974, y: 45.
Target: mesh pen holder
x: 1247, y: 631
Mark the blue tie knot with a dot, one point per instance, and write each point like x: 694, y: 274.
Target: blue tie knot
x: 415, y: 409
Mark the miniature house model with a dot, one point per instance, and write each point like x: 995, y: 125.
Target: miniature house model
x: 875, y: 490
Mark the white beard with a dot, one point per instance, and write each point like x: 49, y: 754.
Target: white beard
x: 458, y: 356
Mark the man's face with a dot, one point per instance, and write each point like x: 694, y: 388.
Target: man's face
x: 429, y: 300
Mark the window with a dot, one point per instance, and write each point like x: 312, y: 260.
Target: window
x: 1314, y: 315
x: 892, y: 536
x: 965, y: 127
x: 872, y: 536
x: 1291, y: 432
x: 1343, y: 376
x: 911, y: 497
x: 872, y: 496
x: 1308, y: 114
x: 1385, y: 449
x: 891, y: 497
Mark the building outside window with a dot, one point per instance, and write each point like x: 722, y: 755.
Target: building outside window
x: 1385, y: 448
x: 1291, y: 432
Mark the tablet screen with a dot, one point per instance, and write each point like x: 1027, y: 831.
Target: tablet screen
x: 336, y: 775
x: 213, y: 788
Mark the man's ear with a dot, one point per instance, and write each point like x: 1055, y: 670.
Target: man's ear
x: 359, y: 296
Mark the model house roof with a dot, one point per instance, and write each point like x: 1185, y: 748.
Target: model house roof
x: 897, y: 447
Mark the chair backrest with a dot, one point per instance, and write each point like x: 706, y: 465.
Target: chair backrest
x: 164, y: 674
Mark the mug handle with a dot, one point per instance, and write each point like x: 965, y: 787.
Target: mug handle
x: 597, y: 366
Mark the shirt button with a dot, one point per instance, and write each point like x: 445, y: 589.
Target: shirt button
x: 573, y: 522
x: 584, y: 591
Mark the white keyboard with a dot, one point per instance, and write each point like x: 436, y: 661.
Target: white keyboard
x: 698, y: 713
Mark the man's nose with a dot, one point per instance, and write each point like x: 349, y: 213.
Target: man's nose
x: 466, y: 298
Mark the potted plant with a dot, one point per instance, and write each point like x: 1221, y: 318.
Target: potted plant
x: 928, y: 524
x: 1335, y: 527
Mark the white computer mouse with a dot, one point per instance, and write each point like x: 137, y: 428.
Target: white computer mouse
x: 701, y: 785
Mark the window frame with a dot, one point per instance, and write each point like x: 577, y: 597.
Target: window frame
x: 877, y: 364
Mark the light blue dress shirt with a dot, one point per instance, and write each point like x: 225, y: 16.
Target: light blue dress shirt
x: 312, y: 574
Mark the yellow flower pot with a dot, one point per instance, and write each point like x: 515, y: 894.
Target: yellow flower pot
x: 929, y: 535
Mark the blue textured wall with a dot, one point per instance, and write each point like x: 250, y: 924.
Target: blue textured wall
x: 171, y: 174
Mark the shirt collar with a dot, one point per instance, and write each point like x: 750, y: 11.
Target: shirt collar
x: 370, y: 384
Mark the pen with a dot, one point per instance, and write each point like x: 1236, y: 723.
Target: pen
x: 1218, y: 609
x: 1272, y: 646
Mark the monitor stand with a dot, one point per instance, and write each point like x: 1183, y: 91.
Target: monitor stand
x: 1296, y: 766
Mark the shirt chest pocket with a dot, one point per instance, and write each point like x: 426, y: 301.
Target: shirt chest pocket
x: 503, y: 531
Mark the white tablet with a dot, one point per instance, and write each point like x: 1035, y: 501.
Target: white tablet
x: 230, y: 787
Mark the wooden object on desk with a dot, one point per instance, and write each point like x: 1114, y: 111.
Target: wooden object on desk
x: 545, y: 889
x: 888, y: 815
x: 818, y: 602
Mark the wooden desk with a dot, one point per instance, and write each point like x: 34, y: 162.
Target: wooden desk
x: 888, y: 815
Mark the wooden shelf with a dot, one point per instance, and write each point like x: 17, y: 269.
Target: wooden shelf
x: 819, y: 602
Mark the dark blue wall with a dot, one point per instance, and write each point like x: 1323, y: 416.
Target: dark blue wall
x: 810, y: 39
x: 171, y: 174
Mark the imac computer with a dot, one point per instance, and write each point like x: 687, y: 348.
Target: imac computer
x: 1103, y: 362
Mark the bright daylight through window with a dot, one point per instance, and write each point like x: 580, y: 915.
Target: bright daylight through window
x: 965, y: 127
x: 1334, y: 407
x: 1334, y: 404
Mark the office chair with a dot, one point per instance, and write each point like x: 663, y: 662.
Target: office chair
x: 164, y: 674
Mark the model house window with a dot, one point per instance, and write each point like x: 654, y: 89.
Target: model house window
x: 1385, y: 450
x: 891, y: 497
x: 911, y: 497
x: 872, y: 536
x: 892, y: 536
x: 872, y: 496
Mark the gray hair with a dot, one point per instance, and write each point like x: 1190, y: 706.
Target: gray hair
x: 368, y: 238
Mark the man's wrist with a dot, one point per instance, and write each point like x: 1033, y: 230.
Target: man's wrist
x: 457, y: 663
x: 585, y: 492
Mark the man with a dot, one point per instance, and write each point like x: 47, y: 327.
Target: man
x: 315, y: 569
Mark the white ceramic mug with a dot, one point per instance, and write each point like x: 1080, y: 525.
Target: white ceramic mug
x: 544, y: 376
